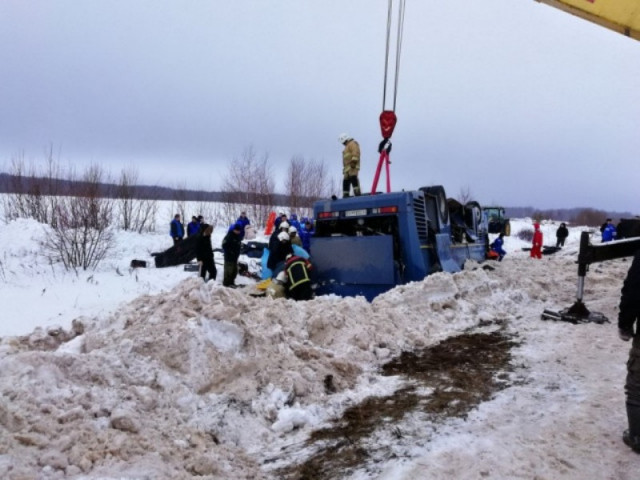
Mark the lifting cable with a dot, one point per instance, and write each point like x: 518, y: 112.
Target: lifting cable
x: 388, y: 118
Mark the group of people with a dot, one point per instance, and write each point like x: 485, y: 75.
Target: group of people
x: 497, y: 246
x: 290, y: 268
x: 288, y: 261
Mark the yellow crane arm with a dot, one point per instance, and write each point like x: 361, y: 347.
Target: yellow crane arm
x: 622, y: 16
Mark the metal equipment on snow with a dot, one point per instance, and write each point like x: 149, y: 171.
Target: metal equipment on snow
x: 578, y: 312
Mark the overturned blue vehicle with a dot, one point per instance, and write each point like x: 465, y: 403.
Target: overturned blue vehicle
x: 367, y: 245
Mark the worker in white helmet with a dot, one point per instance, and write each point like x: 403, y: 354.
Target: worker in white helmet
x: 351, y: 165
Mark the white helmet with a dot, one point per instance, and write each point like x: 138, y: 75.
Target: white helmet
x: 293, y: 229
x: 282, y: 277
x: 284, y: 226
x: 283, y: 236
x: 344, y: 137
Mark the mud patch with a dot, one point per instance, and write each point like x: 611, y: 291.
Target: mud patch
x: 446, y: 380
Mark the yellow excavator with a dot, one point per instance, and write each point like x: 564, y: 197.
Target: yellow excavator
x: 622, y: 16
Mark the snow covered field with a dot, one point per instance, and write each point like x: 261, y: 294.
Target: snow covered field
x: 151, y: 374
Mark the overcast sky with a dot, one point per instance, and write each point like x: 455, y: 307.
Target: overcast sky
x: 518, y: 102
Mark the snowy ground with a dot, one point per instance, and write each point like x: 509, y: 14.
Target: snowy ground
x: 152, y: 374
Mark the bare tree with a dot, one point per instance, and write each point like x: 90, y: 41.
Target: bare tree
x: 307, y: 181
x: 180, y: 199
x: 465, y: 196
x: 295, y: 186
x: 249, y: 185
x: 33, y: 193
x: 134, y: 213
x: 125, y: 194
x: 82, y: 235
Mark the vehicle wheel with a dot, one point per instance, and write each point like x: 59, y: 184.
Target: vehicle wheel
x: 507, y: 229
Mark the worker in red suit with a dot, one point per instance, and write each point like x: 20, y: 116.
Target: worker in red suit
x: 536, y: 248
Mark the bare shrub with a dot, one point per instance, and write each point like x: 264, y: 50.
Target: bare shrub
x: 589, y: 217
x: 248, y: 186
x: 134, y: 213
x: 33, y: 192
x: 82, y: 234
x: 525, y: 234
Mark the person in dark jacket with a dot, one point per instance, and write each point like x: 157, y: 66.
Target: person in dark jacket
x: 627, y: 329
x: 204, y: 254
x: 193, y: 226
x: 176, y: 229
x: 296, y: 271
x: 231, y: 245
x: 273, y: 239
x: 561, y: 235
x: 282, y: 217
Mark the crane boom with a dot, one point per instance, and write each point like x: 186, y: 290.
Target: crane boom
x: 622, y: 16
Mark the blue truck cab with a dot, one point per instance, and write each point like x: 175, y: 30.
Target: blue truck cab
x: 368, y: 244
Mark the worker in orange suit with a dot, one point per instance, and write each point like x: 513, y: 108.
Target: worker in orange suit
x: 536, y: 248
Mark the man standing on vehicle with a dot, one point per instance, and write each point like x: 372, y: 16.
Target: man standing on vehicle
x: 351, y: 165
x: 627, y: 318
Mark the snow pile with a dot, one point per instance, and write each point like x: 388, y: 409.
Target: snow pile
x: 196, y: 380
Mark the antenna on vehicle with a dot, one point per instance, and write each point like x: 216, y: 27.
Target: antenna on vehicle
x: 388, y: 118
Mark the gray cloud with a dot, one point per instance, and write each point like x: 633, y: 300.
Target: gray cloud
x: 521, y: 103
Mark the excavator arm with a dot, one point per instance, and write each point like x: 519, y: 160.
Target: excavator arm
x: 588, y: 254
x: 622, y: 16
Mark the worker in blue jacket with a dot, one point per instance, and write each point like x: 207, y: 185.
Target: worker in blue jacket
x: 243, y: 221
x: 305, y: 234
x: 496, y: 246
x: 608, y: 232
x: 176, y: 229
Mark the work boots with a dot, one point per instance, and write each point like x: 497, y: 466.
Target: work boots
x: 631, y: 437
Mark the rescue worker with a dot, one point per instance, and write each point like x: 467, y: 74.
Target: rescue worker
x: 536, y: 248
x: 496, y: 246
x: 561, y: 235
x: 204, y: 254
x: 293, y: 236
x: 231, y: 245
x: 351, y: 165
x: 296, y: 271
x: 273, y: 239
x: 278, y: 255
x: 293, y: 221
x: 627, y: 319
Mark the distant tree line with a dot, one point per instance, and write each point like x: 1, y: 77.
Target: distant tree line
x: 577, y: 216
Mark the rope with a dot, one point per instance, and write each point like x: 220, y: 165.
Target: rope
x: 401, y: 11
x: 386, y: 55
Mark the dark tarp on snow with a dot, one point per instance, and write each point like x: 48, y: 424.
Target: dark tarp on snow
x: 183, y: 252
